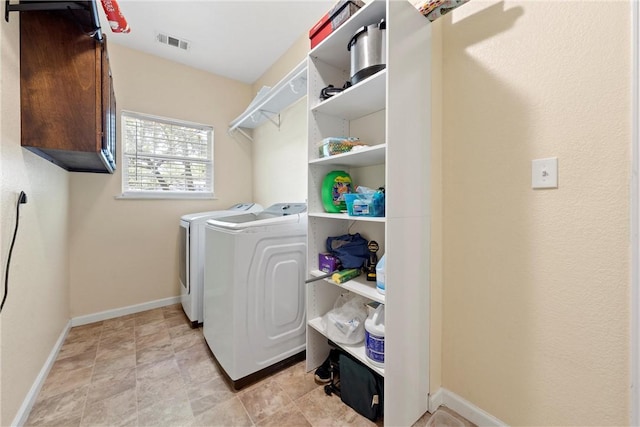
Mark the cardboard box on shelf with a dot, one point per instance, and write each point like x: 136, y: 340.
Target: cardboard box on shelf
x: 336, y: 16
x: 328, y: 263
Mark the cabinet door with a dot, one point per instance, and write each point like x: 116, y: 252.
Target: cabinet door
x: 58, y: 83
x: 65, y: 92
x: 108, y: 112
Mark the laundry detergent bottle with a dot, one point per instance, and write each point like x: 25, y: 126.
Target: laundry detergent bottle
x: 334, y: 186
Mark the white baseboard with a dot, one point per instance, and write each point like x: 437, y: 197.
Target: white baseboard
x: 471, y: 412
x: 30, y: 399
x: 436, y: 400
x: 110, y: 314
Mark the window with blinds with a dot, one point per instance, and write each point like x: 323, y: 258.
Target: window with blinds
x: 165, y: 157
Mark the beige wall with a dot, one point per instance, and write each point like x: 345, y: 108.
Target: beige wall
x: 124, y: 252
x: 292, y: 57
x: 280, y: 154
x: 536, y: 282
x: 280, y: 166
x: 37, y: 308
x: 2, y: 214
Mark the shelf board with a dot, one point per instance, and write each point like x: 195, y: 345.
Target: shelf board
x: 369, y: 156
x: 359, y: 100
x: 356, y: 351
x: 358, y: 285
x: 347, y: 217
x: 337, y: 41
x: 287, y: 91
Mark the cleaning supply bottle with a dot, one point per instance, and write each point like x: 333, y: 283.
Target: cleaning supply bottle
x: 334, y: 186
x: 380, y: 276
x: 374, y: 337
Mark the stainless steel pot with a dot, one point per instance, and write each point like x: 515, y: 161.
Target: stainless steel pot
x: 368, y: 51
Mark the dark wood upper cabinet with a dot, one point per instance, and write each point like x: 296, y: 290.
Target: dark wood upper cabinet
x: 68, y: 113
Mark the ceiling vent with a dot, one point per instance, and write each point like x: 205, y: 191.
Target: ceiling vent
x: 173, y: 41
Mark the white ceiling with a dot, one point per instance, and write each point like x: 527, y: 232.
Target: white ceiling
x: 238, y: 39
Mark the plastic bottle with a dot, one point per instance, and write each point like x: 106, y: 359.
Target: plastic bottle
x: 334, y: 186
x: 374, y: 337
x: 380, y: 276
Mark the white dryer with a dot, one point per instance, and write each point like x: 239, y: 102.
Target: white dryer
x: 254, y: 294
x: 192, y: 256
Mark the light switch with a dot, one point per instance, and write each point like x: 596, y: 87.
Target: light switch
x: 544, y: 173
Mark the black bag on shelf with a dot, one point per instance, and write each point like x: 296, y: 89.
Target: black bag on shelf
x: 361, y: 388
x: 351, y: 249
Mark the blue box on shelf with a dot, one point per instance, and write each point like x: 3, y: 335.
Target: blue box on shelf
x: 365, y: 204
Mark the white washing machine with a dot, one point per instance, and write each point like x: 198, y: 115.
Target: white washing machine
x: 192, y: 256
x: 254, y: 294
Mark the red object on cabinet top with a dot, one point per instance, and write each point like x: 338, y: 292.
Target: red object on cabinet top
x: 336, y: 16
x: 116, y: 19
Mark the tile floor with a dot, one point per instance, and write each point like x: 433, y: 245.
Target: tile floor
x: 153, y: 369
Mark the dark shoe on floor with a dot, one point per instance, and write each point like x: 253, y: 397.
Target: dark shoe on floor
x: 324, y: 373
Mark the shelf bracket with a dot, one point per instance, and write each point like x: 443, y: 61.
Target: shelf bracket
x: 246, y: 135
x: 270, y: 117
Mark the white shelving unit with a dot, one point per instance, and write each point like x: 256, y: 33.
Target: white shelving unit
x: 287, y: 91
x: 354, y: 350
x: 368, y: 156
x: 390, y: 111
x: 357, y: 101
x: 344, y: 216
x: 359, y: 285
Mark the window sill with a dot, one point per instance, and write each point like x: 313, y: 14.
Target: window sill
x: 153, y: 195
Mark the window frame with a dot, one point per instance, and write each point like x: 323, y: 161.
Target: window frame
x: 127, y: 193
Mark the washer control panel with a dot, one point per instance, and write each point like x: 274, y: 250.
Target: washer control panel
x: 286, y: 209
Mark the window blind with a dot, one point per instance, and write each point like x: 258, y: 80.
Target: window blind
x: 166, y: 156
